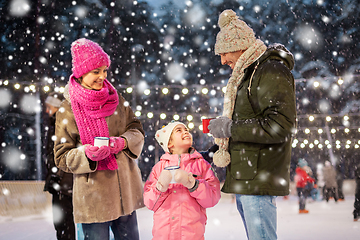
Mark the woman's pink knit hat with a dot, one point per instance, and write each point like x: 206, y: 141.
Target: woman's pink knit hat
x: 86, y: 56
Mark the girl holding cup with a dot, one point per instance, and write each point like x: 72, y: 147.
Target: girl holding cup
x: 180, y: 207
x: 107, y: 181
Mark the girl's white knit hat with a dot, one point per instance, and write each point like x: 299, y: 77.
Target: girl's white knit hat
x: 234, y: 34
x: 162, y: 135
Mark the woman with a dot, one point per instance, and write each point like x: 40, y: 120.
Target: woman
x: 107, y: 181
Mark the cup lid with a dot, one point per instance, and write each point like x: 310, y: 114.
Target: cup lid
x: 101, y: 138
x: 172, y: 167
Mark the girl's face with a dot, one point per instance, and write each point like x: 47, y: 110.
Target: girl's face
x: 180, y: 140
x: 95, y: 78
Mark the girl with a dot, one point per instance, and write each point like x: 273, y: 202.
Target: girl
x: 179, y: 208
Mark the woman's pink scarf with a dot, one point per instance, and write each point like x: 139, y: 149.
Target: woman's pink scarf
x: 90, y: 108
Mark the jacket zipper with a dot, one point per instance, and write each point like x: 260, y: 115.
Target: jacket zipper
x: 252, y: 75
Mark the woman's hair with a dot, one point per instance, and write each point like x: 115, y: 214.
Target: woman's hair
x: 78, y: 80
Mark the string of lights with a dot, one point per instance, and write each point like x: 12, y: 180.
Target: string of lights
x: 343, y: 125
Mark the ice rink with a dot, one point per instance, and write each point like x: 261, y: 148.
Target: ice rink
x: 330, y: 221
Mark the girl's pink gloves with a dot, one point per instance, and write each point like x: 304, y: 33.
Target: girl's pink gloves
x: 97, y: 153
x: 164, y: 180
x: 116, y: 144
x: 184, y: 178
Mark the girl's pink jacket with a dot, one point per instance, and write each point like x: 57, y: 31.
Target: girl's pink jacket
x: 179, y: 213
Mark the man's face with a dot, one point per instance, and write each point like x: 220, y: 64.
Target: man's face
x: 50, y: 109
x: 230, y: 58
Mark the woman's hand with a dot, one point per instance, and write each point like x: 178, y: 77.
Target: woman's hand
x: 97, y: 153
x: 116, y: 144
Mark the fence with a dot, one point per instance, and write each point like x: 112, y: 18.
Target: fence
x: 22, y: 198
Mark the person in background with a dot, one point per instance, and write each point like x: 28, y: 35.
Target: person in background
x: 107, y: 183
x: 320, y: 181
x: 330, y: 188
x: 255, y: 130
x: 340, y: 181
x: 311, y: 189
x: 356, y: 212
x: 57, y: 182
x: 302, y: 180
x: 180, y: 206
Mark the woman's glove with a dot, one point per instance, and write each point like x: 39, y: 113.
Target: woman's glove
x: 184, y: 178
x: 97, y: 153
x: 164, y: 180
x: 220, y: 127
x: 116, y: 144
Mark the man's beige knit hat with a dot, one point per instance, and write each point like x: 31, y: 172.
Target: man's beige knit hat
x: 234, y: 34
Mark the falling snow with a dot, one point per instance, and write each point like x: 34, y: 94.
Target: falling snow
x: 164, y: 66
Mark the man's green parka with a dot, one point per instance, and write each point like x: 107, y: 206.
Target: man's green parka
x: 264, y: 120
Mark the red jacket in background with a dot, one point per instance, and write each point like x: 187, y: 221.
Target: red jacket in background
x: 302, y: 178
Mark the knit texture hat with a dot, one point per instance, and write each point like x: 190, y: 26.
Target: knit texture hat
x: 327, y: 163
x: 302, y: 162
x: 234, y: 34
x: 86, y: 56
x: 162, y: 136
x: 54, y: 99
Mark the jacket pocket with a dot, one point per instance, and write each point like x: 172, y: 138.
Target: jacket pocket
x: 244, y: 164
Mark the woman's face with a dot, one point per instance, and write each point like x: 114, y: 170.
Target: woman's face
x: 95, y: 78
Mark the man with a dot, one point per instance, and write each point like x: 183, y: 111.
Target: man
x: 57, y: 182
x: 254, y: 133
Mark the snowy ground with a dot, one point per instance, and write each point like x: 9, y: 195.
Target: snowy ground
x: 330, y: 221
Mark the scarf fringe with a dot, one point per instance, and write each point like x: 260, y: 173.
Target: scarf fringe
x: 222, y: 157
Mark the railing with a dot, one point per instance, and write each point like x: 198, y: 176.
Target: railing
x: 23, y: 198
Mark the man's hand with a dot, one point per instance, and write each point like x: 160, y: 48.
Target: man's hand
x: 220, y: 127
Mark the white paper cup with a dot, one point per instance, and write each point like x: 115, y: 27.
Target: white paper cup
x: 172, y: 170
x: 101, y: 141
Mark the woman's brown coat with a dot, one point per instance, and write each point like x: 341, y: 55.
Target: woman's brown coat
x: 101, y: 196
